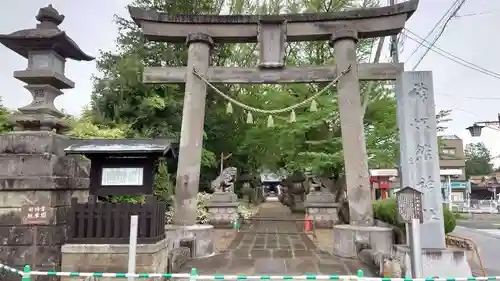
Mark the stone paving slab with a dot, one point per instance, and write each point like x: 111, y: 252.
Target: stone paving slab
x: 267, y: 250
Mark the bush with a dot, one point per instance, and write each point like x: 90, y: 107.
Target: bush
x: 450, y: 221
x: 201, y: 211
x: 246, y: 211
x: 386, y: 211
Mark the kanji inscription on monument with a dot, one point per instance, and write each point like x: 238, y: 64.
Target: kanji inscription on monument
x: 409, y: 202
x: 419, y: 151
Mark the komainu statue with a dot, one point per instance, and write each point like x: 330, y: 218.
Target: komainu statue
x: 225, y: 181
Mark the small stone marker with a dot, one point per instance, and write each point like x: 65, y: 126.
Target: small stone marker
x: 409, y: 202
x: 35, y: 214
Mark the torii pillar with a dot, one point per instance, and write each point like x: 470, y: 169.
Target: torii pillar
x: 361, y: 228
x: 191, y: 142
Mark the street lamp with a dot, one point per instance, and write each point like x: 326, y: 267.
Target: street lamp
x: 475, y: 129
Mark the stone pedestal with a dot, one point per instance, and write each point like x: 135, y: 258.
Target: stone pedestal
x: 35, y: 172
x: 442, y: 263
x: 322, y: 209
x: 223, y: 209
x: 112, y: 258
x: 346, y: 237
x: 202, y: 236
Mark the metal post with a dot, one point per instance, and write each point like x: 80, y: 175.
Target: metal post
x: 132, y: 245
x: 26, y: 273
x: 468, y: 198
x: 194, y: 275
x: 400, y: 176
x: 415, y: 249
x: 449, y: 194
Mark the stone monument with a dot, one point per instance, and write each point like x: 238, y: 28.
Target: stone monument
x: 223, y: 206
x: 34, y: 172
x: 343, y: 29
x: 420, y: 170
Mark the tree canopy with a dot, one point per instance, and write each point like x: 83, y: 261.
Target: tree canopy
x: 122, y: 106
x: 477, y: 159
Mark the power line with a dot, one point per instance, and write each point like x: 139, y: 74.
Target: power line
x: 440, y: 32
x: 475, y: 115
x: 469, y: 97
x: 460, y: 61
x: 450, y: 56
x: 434, y: 28
x: 444, y: 53
x: 477, y: 14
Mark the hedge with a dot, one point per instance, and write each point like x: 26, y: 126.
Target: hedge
x: 386, y: 211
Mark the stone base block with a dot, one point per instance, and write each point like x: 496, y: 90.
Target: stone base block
x: 112, y: 258
x: 222, y: 215
x: 322, y: 216
x: 322, y: 209
x: 202, y: 236
x: 345, y: 238
x: 223, y: 209
x: 442, y: 263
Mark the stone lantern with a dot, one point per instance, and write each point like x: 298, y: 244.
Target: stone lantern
x: 46, y: 47
x: 35, y: 173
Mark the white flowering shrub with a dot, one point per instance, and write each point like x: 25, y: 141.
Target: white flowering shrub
x: 201, y: 207
x: 201, y: 211
x: 246, y: 210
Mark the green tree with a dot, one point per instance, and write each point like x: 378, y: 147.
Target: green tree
x: 4, y: 114
x: 443, y: 117
x: 84, y: 128
x: 477, y: 159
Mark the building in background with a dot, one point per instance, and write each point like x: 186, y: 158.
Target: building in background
x: 454, y: 188
x: 485, y: 187
x: 452, y: 155
x: 381, y: 182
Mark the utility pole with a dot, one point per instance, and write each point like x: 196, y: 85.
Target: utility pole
x: 222, y: 159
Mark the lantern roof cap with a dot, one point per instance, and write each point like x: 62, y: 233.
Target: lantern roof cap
x: 46, y: 36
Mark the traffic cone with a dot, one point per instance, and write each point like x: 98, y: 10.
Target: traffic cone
x: 307, y: 224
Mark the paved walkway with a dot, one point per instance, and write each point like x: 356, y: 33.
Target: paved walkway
x: 274, y: 243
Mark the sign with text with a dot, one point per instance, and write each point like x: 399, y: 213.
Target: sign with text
x: 122, y: 176
x: 409, y: 202
x: 34, y: 214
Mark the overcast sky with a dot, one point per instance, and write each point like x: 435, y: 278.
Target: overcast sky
x: 473, y: 36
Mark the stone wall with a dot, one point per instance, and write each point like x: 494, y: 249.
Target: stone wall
x: 444, y: 263
x: 150, y: 258
x: 35, y: 171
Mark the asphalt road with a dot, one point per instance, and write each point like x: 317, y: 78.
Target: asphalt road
x: 486, y: 235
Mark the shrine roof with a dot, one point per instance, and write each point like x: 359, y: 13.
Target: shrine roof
x: 120, y: 146
x: 408, y: 8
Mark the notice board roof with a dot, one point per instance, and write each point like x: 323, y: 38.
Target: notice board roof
x: 120, y: 146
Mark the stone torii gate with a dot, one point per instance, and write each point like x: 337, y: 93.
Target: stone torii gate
x: 342, y: 29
